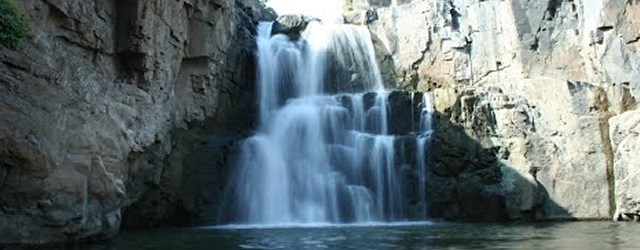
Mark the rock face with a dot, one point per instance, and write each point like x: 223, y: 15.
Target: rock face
x: 548, y: 87
x: 88, y: 105
x: 548, y: 140
x: 625, y: 133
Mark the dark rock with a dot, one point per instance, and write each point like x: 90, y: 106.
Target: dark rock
x: 468, y: 175
x: 404, y: 113
x: 257, y: 10
x: 371, y: 16
x: 480, y: 202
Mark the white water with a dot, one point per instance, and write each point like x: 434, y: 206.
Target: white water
x: 423, y: 142
x: 321, y: 225
x: 320, y: 158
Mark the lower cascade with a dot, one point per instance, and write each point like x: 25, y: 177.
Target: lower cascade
x: 324, y: 151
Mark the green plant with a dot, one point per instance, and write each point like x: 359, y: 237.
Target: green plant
x: 348, y: 5
x: 13, y: 26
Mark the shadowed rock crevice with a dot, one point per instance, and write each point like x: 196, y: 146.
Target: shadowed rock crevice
x: 469, y: 177
x: 190, y: 189
x: 129, y: 61
x: 470, y: 181
x: 516, y: 128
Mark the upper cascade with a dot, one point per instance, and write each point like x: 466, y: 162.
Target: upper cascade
x: 330, y: 59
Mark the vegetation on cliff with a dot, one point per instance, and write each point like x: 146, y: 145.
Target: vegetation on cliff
x: 13, y: 26
x: 348, y: 5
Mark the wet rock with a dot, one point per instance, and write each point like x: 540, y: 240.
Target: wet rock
x: 404, y: 113
x: 471, y: 173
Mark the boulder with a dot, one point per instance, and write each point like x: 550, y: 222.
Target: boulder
x: 292, y: 25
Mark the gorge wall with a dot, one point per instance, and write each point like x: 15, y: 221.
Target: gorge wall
x: 109, y: 105
x: 104, y: 105
x: 548, y: 88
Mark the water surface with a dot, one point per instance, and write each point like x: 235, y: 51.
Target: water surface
x: 569, y: 235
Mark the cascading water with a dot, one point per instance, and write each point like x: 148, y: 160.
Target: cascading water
x: 322, y: 152
x: 423, y: 142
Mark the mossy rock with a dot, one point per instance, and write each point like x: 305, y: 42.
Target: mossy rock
x: 13, y: 25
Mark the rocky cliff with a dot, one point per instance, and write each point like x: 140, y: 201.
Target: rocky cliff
x: 99, y: 103
x: 109, y: 105
x: 548, y: 87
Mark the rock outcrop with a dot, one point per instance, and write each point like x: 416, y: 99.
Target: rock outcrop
x: 88, y: 105
x: 625, y: 133
x: 548, y: 86
x: 292, y: 25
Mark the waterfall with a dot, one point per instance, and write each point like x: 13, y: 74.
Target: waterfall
x: 322, y: 152
x: 423, y: 143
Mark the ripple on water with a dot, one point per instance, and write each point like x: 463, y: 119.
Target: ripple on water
x: 574, y: 235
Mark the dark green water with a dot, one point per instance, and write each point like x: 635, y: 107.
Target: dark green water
x: 571, y: 235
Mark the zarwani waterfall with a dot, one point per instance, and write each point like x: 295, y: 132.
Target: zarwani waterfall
x: 323, y: 151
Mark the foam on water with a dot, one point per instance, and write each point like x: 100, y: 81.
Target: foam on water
x: 320, y: 225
